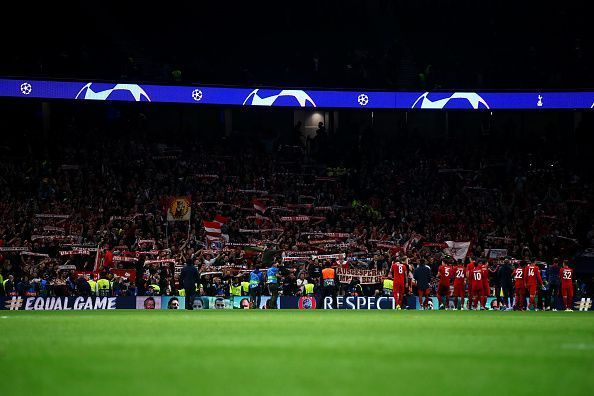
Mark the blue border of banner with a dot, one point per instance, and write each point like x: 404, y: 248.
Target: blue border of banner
x: 293, y: 98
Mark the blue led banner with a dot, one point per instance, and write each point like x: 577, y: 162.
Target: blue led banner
x: 277, y: 97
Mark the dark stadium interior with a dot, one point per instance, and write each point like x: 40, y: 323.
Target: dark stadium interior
x: 348, y: 43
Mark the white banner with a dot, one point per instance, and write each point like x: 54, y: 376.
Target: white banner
x: 51, y: 216
x: 458, y: 250
x: 329, y: 256
x: 14, y: 249
x: 366, y: 277
x: 496, y: 253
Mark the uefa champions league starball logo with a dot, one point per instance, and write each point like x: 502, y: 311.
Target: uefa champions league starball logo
x: 362, y: 99
x: 285, y: 97
x: 197, y: 95
x: 456, y: 100
x: 26, y: 88
x: 118, y: 92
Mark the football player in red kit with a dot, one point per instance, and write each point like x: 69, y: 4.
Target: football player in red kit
x: 399, y: 273
x: 484, y: 266
x: 459, y: 285
x: 520, y: 287
x: 477, y: 287
x: 445, y: 273
x: 566, y: 275
x: 532, y: 279
x: 469, y: 269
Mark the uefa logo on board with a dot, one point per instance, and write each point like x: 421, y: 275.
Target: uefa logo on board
x: 307, y: 303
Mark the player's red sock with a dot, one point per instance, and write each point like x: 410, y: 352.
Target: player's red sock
x: 532, y: 302
x: 565, y: 302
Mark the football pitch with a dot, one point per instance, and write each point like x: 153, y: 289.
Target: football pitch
x: 296, y: 353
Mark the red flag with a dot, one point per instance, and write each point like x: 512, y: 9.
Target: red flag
x: 259, y: 205
x: 212, y: 228
x: 221, y: 219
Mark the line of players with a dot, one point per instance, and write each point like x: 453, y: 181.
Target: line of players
x: 526, y: 279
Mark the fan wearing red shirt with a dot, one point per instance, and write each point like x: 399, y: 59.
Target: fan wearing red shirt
x: 399, y: 273
x: 533, y: 280
x: 566, y: 275
x: 476, y: 277
x: 520, y: 287
x: 445, y: 273
x: 459, y: 285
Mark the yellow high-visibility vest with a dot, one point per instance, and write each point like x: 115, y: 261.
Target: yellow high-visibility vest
x: 103, y: 284
x: 235, y: 290
x: 245, y: 286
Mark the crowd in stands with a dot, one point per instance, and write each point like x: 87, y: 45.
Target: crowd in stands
x: 95, y: 206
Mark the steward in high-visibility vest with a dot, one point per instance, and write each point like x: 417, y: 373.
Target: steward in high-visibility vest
x: 329, y: 283
x: 388, y: 287
x: 156, y: 289
x: 309, y: 289
x: 235, y: 289
x: 245, y: 288
x: 103, y: 288
x: 181, y: 292
x: 93, y: 285
x: 328, y: 276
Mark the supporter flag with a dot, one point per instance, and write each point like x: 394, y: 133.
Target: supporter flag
x: 259, y: 206
x: 221, y: 219
x: 496, y: 253
x: 179, y: 209
x: 457, y: 250
x: 212, y: 228
x: 414, y: 238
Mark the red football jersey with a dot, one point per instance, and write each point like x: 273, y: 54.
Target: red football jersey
x: 532, y: 275
x: 459, y: 274
x: 469, y: 269
x: 566, y: 275
x: 445, y: 274
x: 518, y: 276
x: 477, y: 277
x: 399, y: 272
x: 485, y: 269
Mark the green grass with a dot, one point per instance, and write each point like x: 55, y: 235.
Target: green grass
x: 296, y: 353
